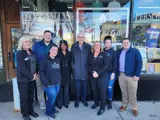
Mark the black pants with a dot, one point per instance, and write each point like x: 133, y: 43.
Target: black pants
x: 63, y: 96
x: 99, y: 90
x: 26, y: 91
x: 81, y: 89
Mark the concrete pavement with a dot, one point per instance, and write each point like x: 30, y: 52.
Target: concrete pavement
x: 147, y: 111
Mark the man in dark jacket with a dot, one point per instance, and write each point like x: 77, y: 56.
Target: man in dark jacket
x: 130, y: 65
x: 41, y: 49
x: 80, y: 51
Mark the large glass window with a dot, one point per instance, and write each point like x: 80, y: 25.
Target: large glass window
x: 146, y: 33
x: 56, y: 16
x: 98, y: 19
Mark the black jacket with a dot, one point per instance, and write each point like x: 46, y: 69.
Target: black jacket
x: 65, y: 63
x: 113, y: 60
x: 24, y: 66
x: 100, y: 64
x: 50, y: 71
x: 79, y: 61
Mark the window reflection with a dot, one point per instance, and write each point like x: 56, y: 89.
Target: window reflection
x: 15, y: 36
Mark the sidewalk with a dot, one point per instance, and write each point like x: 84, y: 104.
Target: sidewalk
x: 147, y: 111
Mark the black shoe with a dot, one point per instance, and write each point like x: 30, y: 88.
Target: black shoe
x: 100, y: 112
x: 33, y: 114
x: 27, y: 118
x: 56, y: 111
x: 94, y: 106
x: 109, y: 104
x: 85, y: 103
x: 76, y: 104
x: 66, y: 106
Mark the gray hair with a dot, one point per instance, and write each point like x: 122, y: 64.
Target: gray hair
x: 21, y: 40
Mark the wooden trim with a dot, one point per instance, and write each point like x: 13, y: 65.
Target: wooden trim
x: 2, y: 10
x: 3, y: 37
x: 12, y: 22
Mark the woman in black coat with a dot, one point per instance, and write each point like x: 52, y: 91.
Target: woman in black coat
x: 65, y: 63
x: 26, y: 76
x: 98, y: 64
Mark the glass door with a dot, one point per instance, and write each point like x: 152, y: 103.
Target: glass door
x: 13, y: 35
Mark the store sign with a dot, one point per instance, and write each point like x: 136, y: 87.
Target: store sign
x: 54, y: 16
x: 61, y: 24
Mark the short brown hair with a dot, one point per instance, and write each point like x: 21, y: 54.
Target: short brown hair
x: 125, y: 39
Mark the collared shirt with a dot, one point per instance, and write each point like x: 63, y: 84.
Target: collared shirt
x: 122, y: 61
x: 81, y: 47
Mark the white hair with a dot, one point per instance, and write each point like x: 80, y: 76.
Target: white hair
x: 21, y: 40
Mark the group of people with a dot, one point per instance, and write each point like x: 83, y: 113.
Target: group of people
x: 49, y: 68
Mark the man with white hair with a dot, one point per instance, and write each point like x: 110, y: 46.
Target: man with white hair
x: 80, y: 51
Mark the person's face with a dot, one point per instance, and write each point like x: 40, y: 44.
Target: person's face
x: 47, y: 37
x: 108, y: 44
x: 97, y: 47
x: 81, y: 38
x: 54, y: 51
x: 26, y: 44
x: 126, y: 44
x: 63, y: 47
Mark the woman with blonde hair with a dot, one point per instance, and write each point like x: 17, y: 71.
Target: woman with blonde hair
x: 26, y: 76
x: 98, y: 63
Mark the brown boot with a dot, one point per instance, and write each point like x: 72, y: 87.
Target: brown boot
x: 122, y: 108
x: 135, y: 113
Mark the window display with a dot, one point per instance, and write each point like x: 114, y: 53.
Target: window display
x: 97, y: 25
x: 146, y: 34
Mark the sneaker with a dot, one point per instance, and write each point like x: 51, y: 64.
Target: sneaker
x: 109, y: 104
x: 135, y: 113
x: 51, y: 117
x: 122, y: 108
x: 42, y: 106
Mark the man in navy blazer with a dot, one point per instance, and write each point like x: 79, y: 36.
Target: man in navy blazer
x: 129, y: 69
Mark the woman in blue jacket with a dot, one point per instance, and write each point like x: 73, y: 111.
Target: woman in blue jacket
x: 51, y: 78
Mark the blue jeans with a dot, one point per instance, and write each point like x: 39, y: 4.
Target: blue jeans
x: 110, y: 86
x: 51, y: 92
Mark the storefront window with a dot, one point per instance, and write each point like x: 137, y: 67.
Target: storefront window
x: 44, y: 15
x: 98, y: 20
x: 146, y: 34
x: 35, y: 23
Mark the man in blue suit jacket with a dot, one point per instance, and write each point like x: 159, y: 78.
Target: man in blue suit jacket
x: 129, y: 69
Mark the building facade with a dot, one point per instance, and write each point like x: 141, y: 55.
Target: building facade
x: 137, y: 20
